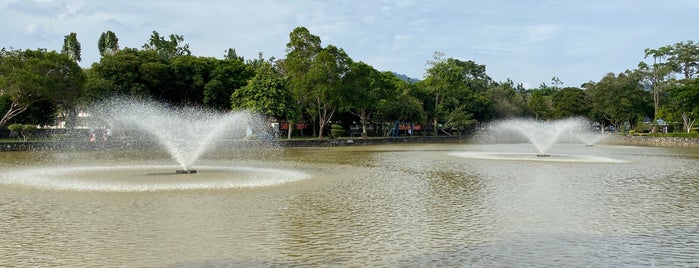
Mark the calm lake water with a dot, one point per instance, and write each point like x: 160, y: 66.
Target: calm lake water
x: 412, y: 205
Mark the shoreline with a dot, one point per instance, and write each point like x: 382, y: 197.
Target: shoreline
x: 654, y: 141
x: 141, y: 145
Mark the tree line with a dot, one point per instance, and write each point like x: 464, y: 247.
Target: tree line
x: 320, y: 85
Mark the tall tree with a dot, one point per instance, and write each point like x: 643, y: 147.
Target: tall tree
x: 326, y: 77
x: 232, y: 55
x: 454, y: 102
x: 167, y: 48
x: 684, y: 57
x: 440, y: 77
x: 301, y: 52
x: 108, y: 43
x: 71, y: 47
x: 400, y: 103
x: 657, y: 74
x: 365, y: 88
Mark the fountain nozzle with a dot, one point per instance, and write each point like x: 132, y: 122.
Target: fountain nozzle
x: 188, y: 171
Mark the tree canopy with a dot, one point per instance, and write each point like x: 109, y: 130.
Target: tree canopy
x: 619, y: 98
x: 321, y: 85
x: 108, y: 43
x: 30, y: 76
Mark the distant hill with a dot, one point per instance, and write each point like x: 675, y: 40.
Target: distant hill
x: 405, y: 78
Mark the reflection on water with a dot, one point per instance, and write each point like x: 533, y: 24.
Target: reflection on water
x: 406, y: 205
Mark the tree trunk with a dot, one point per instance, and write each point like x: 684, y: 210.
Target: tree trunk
x: 687, y: 121
x: 321, y: 120
x: 324, y: 116
x: 363, y: 118
x: 656, y: 104
x: 13, y: 111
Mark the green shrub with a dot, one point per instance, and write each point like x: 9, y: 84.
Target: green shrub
x: 336, y: 130
x: 22, y: 131
x: 642, y: 127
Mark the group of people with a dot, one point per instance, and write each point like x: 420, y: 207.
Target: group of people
x: 105, y: 133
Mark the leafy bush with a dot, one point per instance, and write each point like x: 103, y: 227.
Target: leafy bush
x: 336, y: 130
x: 642, y: 127
x: 22, y: 131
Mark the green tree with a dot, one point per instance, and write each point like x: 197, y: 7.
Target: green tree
x: 23, y: 130
x: 40, y: 113
x: 260, y: 61
x: 540, y: 104
x: 404, y: 102
x: 459, y: 108
x: 167, y: 48
x: 569, y: 102
x: 684, y: 102
x: 266, y: 93
x: 123, y: 70
x: 232, y: 55
x: 97, y: 88
x: 365, y: 87
x: 507, y: 100
x: 684, y: 58
x: 474, y: 100
x: 29, y: 76
x: 442, y: 77
x: 71, y: 47
x: 456, y: 105
x: 108, y: 44
x: 327, y: 90
x: 227, y: 76
x: 619, y: 99
x: 556, y: 82
x: 657, y: 75
x: 156, y: 77
x: 182, y: 80
x: 301, y: 51
x: 475, y: 76
x: 190, y: 76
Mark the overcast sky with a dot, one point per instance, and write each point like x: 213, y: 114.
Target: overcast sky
x: 528, y: 41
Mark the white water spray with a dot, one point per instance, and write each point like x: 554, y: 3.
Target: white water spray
x: 542, y: 134
x: 186, y: 133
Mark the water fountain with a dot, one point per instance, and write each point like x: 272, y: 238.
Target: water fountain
x: 185, y: 133
x: 214, y: 149
x: 543, y: 135
x: 590, y: 138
